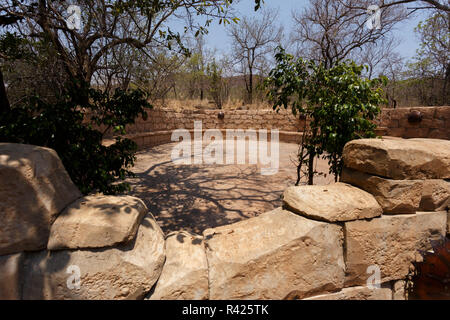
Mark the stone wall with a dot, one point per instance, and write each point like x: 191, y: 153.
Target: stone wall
x: 325, y: 243
x: 157, y: 129
x: 435, y: 123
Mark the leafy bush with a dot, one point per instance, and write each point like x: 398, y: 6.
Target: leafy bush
x: 64, y: 127
x: 338, y: 102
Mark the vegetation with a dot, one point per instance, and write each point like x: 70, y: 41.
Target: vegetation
x: 66, y: 88
x: 337, y: 102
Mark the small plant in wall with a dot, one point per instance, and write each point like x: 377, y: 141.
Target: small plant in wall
x: 338, y: 102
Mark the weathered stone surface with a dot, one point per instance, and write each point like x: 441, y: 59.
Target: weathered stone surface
x: 448, y: 223
x: 10, y: 273
x: 274, y: 255
x: 336, y: 202
x: 435, y: 195
x: 390, y: 242
x: 128, y: 271
x: 394, y: 196
x: 398, y: 290
x: 400, y: 159
x: 185, y: 272
x: 34, y: 188
x: 357, y: 293
x: 97, y: 221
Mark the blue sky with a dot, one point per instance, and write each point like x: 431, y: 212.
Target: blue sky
x: 217, y: 37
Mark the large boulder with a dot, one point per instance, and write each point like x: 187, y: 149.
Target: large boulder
x: 336, y: 202
x: 389, y: 242
x: 97, y: 221
x: 394, y: 196
x: 400, y: 158
x: 274, y: 255
x: 10, y: 276
x: 127, y: 271
x: 34, y: 188
x: 185, y: 272
x: 357, y: 293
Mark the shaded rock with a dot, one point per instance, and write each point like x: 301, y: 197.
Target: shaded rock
x: 34, y: 188
x: 336, y: 202
x: 398, y: 290
x: 410, y: 159
x: 10, y: 273
x: 274, y: 255
x: 357, y: 293
x: 97, y: 221
x: 128, y: 271
x: 448, y: 222
x: 389, y: 242
x: 435, y: 195
x: 394, y: 196
x: 185, y: 272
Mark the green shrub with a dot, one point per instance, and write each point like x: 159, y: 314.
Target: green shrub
x: 64, y: 127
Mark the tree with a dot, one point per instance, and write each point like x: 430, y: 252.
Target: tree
x: 338, y: 103
x: 441, y: 5
x: 253, y: 39
x: 329, y: 31
x: 214, y: 73
x: 433, y: 55
x: 108, y: 25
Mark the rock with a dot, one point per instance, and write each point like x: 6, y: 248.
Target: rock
x: 185, y: 272
x: 274, y: 255
x: 398, y: 290
x: 389, y: 242
x: 448, y: 223
x: 357, y: 293
x: 96, y: 222
x: 336, y: 202
x: 394, y: 196
x: 435, y: 195
x: 10, y: 273
x: 35, y: 188
x: 410, y: 159
x: 128, y: 271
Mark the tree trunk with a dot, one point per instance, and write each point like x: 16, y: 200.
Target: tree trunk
x: 250, y: 86
x: 312, y: 155
x: 4, y: 102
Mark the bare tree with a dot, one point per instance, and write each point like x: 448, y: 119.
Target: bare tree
x: 253, y: 39
x: 442, y: 5
x: 106, y: 26
x: 376, y: 55
x: 329, y: 31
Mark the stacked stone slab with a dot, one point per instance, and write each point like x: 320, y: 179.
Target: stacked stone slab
x: 52, y: 238
x: 410, y: 180
x: 325, y: 243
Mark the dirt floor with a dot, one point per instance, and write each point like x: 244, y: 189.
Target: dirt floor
x: 197, y: 197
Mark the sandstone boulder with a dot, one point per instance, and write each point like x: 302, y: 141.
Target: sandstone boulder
x: 394, y: 196
x: 399, y: 291
x: 96, y: 222
x: 400, y: 158
x: 274, y: 255
x: 127, y: 271
x: 34, y: 188
x: 448, y: 223
x: 435, y: 195
x: 357, y: 293
x: 10, y: 273
x: 185, y: 272
x: 336, y: 202
x: 389, y: 242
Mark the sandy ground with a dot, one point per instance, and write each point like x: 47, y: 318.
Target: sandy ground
x: 197, y: 197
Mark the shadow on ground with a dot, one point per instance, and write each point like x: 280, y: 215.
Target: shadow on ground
x: 197, y: 197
